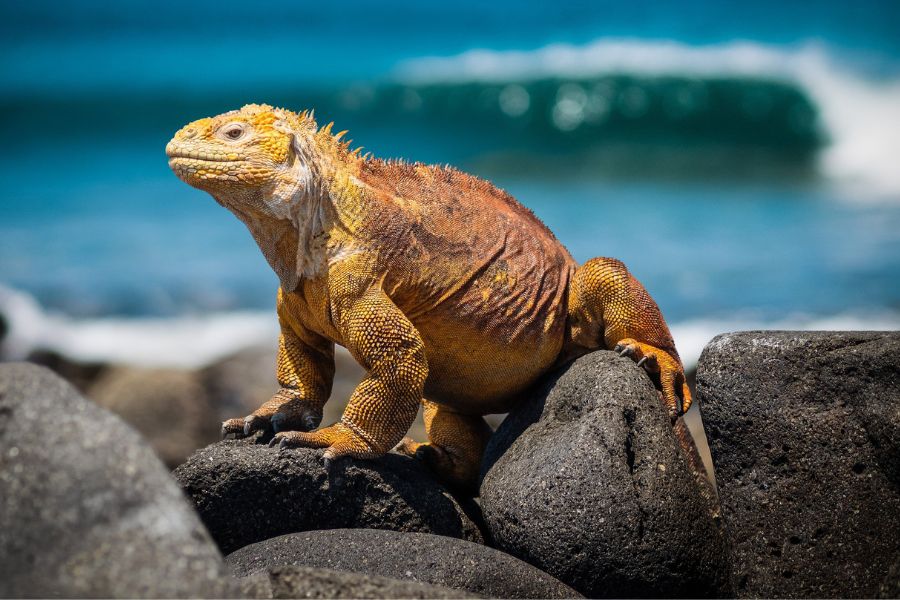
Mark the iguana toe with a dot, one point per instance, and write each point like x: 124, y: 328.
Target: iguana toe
x: 296, y: 415
x: 664, y: 366
x: 624, y: 349
x: 451, y: 470
x: 407, y: 447
x: 234, y: 427
x: 254, y: 423
x: 338, y: 439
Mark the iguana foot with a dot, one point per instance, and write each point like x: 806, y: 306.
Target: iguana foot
x: 450, y: 469
x: 674, y: 388
x: 283, y: 412
x: 243, y: 427
x: 339, y: 439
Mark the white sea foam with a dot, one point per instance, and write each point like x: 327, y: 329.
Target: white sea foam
x: 191, y: 342
x: 187, y: 342
x: 861, y: 115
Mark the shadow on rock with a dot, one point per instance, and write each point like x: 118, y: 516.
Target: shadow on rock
x: 247, y: 492
x: 419, y: 557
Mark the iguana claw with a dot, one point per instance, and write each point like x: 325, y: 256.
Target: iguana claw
x: 338, y: 440
x: 672, y: 384
x: 253, y: 423
x: 624, y: 349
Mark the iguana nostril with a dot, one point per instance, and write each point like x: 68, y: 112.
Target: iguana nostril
x: 188, y: 133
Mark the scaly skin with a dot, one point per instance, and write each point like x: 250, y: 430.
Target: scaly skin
x: 444, y: 288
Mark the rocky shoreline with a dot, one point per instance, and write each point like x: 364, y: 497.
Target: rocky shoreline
x: 587, y: 489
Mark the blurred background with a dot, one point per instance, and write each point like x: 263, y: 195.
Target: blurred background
x: 741, y: 158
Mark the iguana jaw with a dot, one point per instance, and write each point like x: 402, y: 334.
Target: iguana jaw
x: 196, y: 167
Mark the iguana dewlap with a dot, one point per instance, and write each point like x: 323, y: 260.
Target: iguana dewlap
x: 444, y: 288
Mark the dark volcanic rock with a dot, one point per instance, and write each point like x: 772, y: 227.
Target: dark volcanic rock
x: 421, y: 557
x: 588, y: 481
x: 804, y: 429
x: 890, y: 586
x: 86, y: 507
x: 247, y: 492
x: 308, y: 582
x: 169, y: 407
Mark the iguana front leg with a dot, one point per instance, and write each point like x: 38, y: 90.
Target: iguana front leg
x: 607, y: 304
x: 305, y: 372
x: 385, y: 403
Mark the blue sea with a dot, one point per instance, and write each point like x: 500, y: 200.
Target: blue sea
x: 742, y: 159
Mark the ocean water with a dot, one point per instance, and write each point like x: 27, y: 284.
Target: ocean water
x: 741, y: 159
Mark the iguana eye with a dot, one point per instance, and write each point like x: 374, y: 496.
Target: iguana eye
x: 233, y: 131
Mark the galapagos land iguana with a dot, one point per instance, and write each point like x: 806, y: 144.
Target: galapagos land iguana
x: 443, y: 287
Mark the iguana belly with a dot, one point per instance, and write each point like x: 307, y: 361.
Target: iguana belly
x: 475, y: 374
x: 493, y: 338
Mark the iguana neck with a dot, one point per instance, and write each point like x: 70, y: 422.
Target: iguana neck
x: 277, y: 239
x: 303, y: 219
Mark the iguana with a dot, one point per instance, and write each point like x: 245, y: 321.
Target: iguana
x: 443, y: 287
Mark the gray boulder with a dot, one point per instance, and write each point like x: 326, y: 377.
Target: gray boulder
x: 804, y: 428
x: 247, y: 492
x: 309, y: 582
x: 87, y: 509
x: 420, y: 557
x: 589, y: 481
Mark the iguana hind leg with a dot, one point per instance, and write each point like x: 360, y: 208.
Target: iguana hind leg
x: 455, y: 447
x: 609, y: 308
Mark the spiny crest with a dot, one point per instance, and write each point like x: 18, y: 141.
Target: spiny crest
x: 303, y: 121
x: 266, y: 114
x: 336, y: 141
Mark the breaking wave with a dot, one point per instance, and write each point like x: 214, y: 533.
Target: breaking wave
x: 802, y: 101
x: 613, y: 106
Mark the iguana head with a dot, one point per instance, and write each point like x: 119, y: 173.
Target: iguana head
x: 266, y: 165
x: 247, y: 159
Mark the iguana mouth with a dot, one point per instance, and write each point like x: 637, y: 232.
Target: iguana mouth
x: 202, y: 155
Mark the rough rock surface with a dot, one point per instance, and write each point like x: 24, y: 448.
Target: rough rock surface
x: 86, y: 508
x: 150, y: 399
x: 420, y: 557
x: 247, y: 492
x: 308, y: 582
x: 804, y: 429
x: 588, y: 481
x: 890, y: 585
